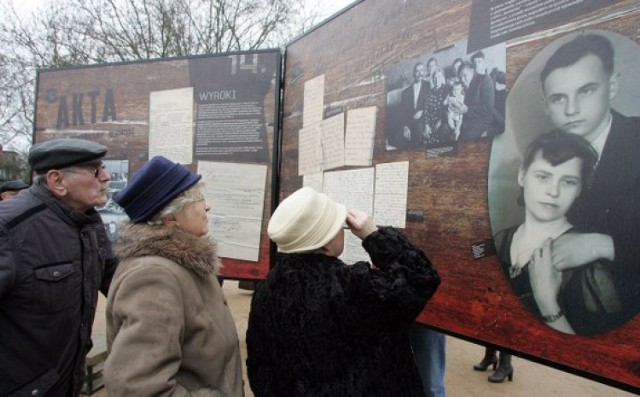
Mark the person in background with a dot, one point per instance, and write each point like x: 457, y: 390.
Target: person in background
x: 429, y: 349
x: 54, y: 258
x: 319, y: 327
x: 112, y: 231
x: 169, y: 329
x: 504, y: 368
x: 9, y: 189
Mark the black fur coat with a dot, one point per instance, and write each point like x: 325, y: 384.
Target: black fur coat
x: 318, y: 327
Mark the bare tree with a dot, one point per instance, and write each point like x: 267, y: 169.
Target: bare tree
x: 80, y: 32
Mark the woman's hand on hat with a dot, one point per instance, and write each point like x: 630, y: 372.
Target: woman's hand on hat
x: 360, y: 223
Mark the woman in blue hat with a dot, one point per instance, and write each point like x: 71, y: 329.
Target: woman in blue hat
x: 169, y: 331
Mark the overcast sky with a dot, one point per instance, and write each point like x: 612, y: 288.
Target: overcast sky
x: 329, y: 7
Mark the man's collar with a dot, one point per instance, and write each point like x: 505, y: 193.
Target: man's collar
x: 601, y: 139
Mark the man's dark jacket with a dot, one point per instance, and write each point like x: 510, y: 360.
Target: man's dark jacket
x: 610, y: 204
x: 480, y: 100
x: 53, y: 261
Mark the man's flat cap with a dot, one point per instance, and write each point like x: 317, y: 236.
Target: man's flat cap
x: 12, y: 186
x: 60, y: 153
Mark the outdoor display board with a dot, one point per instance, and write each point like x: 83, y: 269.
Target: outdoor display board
x: 421, y: 113
x: 215, y: 114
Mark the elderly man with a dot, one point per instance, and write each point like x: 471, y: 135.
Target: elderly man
x: 9, y: 189
x: 54, y: 257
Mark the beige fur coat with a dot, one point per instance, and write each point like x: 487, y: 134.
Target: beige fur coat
x: 169, y: 330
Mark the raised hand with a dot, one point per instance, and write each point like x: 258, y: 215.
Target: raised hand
x: 360, y: 223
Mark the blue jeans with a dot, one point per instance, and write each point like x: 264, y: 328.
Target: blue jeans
x: 429, y: 349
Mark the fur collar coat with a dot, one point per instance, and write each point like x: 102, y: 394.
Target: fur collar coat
x: 169, y: 330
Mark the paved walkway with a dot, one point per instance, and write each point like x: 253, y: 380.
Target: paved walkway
x: 530, y: 379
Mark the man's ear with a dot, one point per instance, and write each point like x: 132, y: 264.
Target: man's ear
x: 614, y: 85
x: 545, y: 106
x: 56, y: 183
x: 543, y: 98
x: 521, y: 173
x: 580, y: 187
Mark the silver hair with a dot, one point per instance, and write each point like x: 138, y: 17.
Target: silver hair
x: 178, y: 204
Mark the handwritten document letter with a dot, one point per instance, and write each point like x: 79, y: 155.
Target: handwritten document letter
x: 333, y: 142
x: 236, y: 195
x: 360, y: 135
x: 353, y: 188
x: 171, y: 124
x: 353, y: 250
x: 313, y: 106
x: 313, y: 181
x: 309, y: 151
x: 391, y: 194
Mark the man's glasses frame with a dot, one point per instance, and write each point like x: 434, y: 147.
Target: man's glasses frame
x: 93, y: 169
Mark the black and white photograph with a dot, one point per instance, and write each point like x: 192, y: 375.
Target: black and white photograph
x: 440, y: 98
x: 565, y: 176
x: 112, y: 214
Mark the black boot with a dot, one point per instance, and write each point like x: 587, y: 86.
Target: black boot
x: 505, y: 370
x: 490, y: 358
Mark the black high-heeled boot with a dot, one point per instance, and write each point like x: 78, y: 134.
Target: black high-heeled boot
x: 505, y: 370
x: 490, y: 358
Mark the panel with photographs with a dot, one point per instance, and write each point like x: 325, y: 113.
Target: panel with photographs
x: 112, y: 214
x: 463, y: 167
x: 215, y: 114
x: 439, y: 98
x: 566, y: 171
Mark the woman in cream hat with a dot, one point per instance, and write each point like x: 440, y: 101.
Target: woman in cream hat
x: 169, y: 330
x: 319, y: 327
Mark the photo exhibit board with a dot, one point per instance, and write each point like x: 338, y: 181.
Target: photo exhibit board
x: 453, y: 89
x: 215, y: 114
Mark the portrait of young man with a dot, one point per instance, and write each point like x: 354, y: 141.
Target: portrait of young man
x: 586, y: 86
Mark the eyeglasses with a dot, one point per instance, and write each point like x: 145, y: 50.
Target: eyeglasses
x: 93, y: 169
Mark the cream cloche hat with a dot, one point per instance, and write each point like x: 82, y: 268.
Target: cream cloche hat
x: 306, y: 220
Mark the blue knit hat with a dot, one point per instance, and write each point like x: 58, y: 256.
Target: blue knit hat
x: 154, y: 186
